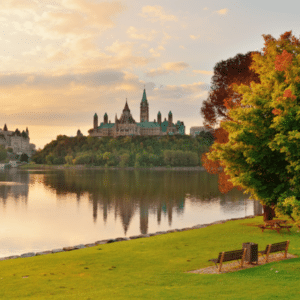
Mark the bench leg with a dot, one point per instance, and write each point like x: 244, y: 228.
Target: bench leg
x: 286, y: 249
x: 268, y: 252
x: 221, y: 261
x: 243, y: 257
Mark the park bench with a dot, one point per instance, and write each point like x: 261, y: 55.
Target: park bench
x: 277, y: 247
x: 229, y: 256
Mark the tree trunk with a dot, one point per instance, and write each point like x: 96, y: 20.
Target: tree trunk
x: 269, y: 212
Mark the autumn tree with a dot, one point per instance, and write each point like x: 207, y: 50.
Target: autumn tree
x: 262, y: 151
x: 221, y: 99
x: 222, y: 96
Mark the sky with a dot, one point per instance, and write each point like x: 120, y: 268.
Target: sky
x: 62, y: 61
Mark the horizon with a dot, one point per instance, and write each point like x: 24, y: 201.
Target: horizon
x: 63, y: 61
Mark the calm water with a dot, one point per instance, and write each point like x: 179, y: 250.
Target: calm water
x: 43, y: 210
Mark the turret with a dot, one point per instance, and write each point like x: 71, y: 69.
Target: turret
x: 95, y: 121
x: 27, y: 131
x: 144, y: 116
x: 5, y: 127
x: 170, y: 119
x: 105, y: 118
x: 116, y: 122
x: 159, y: 118
x: 126, y: 108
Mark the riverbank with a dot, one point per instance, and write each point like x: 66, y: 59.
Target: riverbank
x: 31, y: 166
x: 156, y: 268
x: 119, y: 239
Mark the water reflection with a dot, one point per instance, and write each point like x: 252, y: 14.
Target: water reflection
x: 125, y: 193
x: 16, y: 186
x: 42, y: 210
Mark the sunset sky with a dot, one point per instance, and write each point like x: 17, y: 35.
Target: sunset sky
x: 64, y: 60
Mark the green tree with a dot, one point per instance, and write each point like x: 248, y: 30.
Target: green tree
x: 262, y: 152
x: 24, y: 157
x: 3, y: 153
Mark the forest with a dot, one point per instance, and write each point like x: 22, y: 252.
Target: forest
x: 129, y: 151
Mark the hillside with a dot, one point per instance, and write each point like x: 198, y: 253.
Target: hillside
x: 125, y: 151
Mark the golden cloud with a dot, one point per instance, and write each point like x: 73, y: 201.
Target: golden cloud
x: 167, y: 68
x: 156, y: 13
x: 144, y: 35
x: 223, y: 11
x: 194, y: 37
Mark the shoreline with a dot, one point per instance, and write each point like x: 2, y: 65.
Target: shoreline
x: 119, y: 239
x: 84, y: 167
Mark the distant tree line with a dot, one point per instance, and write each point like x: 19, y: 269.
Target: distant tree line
x: 138, y: 151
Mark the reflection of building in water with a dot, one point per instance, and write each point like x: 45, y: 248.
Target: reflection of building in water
x: 146, y: 193
x: 16, y: 185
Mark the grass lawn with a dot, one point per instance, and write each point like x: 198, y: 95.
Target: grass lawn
x: 154, y: 268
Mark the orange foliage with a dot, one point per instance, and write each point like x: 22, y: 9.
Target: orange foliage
x: 224, y: 184
x: 288, y: 94
x: 276, y: 111
x: 283, y: 61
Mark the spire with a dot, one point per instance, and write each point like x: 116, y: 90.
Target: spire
x: 5, y: 127
x: 126, y: 108
x: 170, y: 113
x: 116, y: 118
x: 144, y: 99
x: 159, y: 114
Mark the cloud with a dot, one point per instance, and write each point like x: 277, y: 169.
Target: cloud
x: 183, y: 90
x: 203, y: 72
x: 156, y: 13
x: 194, y: 37
x: 18, y: 4
x: 142, y: 35
x: 155, y: 52
x: 223, y: 11
x: 41, y: 81
x: 167, y: 68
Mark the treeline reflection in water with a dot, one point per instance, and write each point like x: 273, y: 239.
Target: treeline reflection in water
x: 126, y: 193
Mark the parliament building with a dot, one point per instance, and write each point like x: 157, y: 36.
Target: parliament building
x: 127, y: 126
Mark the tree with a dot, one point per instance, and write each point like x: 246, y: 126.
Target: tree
x: 262, y: 152
x: 234, y: 70
x: 221, y: 99
x: 3, y: 153
x: 24, y: 157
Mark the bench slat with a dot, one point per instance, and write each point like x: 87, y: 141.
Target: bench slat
x: 229, y: 256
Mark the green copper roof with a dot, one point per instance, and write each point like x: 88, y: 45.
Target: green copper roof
x: 170, y: 113
x: 108, y: 125
x: 105, y: 115
x: 144, y: 99
x: 164, y: 126
x: 159, y: 113
x: 147, y: 124
x: 95, y: 115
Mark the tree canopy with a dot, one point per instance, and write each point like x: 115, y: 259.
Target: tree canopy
x: 262, y: 151
x: 127, y: 151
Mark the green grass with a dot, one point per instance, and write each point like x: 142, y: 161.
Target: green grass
x: 154, y: 268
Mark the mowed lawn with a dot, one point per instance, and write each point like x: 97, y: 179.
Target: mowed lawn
x: 155, y: 268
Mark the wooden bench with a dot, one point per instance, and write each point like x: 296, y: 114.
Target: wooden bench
x: 229, y: 256
x: 277, y: 247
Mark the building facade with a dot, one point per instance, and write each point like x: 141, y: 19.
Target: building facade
x: 127, y: 126
x: 18, y: 141
x: 197, y: 129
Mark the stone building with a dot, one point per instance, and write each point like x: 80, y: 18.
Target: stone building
x: 197, y: 129
x: 126, y: 125
x: 18, y: 141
